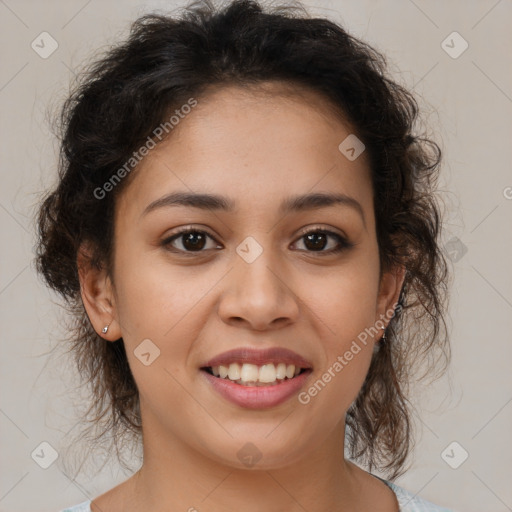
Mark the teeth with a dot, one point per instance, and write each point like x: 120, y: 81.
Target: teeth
x: 234, y: 371
x: 251, y: 374
x: 248, y: 373
x: 267, y: 373
x: 281, y: 371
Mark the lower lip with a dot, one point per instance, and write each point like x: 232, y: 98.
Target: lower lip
x: 257, y: 397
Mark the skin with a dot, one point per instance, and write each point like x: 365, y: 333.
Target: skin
x: 257, y: 147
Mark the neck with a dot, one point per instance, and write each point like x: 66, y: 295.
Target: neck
x: 176, y: 477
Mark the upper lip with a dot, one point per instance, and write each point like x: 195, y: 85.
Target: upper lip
x: 258, y: 357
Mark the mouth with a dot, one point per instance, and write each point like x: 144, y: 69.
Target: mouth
x: 249, y: 392
x: 252, y: 375
x: 257, y: 378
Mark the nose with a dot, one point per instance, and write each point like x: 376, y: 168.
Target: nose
x: 258, y: 295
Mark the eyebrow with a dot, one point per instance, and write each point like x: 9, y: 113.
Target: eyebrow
x: 217, y: 202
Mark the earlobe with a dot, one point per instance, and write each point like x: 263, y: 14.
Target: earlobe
x: 97, y: 295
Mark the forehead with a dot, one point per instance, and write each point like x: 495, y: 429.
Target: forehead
x: 255, y: 145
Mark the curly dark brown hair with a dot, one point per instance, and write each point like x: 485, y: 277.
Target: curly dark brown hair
x: 121, y: 98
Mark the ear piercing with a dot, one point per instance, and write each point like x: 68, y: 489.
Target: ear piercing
x: 383, y: 339
x: 105, y: 329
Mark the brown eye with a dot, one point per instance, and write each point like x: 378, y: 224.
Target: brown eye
x: 315, y: 241
x: 193, y: 241
x: 190, y: 240
x: 318, y: 239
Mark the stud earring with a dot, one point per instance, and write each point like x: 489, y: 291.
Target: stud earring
x: 383, y: 339
x: 105, y: 329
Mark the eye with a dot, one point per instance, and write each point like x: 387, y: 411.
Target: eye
x: 316, y: 240
x: 190, y: 240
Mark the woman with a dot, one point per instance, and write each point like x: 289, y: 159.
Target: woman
x: 246, y: 230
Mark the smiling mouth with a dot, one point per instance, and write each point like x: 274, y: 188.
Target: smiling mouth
x: 256, y: 375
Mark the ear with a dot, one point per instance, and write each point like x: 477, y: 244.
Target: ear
x: 389, y: 292
x: 97, y: 294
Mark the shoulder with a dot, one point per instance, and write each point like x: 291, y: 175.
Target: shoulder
x: 411, y: 503
x: 81, y: 507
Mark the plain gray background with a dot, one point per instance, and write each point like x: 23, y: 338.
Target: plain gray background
x: 468, y: 106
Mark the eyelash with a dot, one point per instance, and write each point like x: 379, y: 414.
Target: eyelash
x: 343, y: 243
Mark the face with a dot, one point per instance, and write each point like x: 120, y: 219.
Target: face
x: 248, y: 276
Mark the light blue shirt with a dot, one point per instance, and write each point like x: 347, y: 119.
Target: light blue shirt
x: 408, y: 502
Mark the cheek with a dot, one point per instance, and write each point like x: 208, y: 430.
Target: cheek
x: 167, y: 304
x: 347, y: 351
x: 153, y: 296
x: 156, y: 306
x: 345, y: 307
x: 344, y: 300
